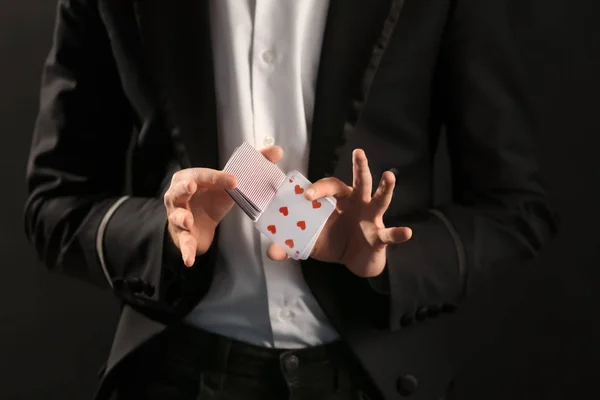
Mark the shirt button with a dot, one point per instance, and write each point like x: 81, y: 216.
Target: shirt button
x: 285, y: 314
x: 268, y: 57
x: 268, y: 141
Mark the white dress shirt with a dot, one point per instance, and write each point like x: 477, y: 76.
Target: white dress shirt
x: 266, y: 57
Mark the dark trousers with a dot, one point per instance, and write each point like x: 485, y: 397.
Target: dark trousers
x: 188, y: 364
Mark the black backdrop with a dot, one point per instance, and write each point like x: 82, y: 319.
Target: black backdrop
x: 539, y: 339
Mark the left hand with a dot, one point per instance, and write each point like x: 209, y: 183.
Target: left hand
x: 354, y: 235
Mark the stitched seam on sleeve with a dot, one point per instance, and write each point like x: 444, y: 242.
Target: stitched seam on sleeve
x: 460, y: 249
x: 100, y: 236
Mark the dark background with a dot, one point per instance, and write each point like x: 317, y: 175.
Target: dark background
x: 540, y: 325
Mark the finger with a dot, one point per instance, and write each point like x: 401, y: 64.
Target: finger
x: 394, y: 235
x: 277, y: 253
x: 188, y: 247
x: 383, y: 195
x: 182, y: 219
x: 179, y: 193
x: 362, y: 180
x: 273, y: 154
x: 212, y: 179
x: 328, y: 187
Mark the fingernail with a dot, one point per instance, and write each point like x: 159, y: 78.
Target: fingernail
x: 310, y: 192
x: 230, y: 182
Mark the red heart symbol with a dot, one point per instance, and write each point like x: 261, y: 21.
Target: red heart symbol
x: 297, y: 252
x: 298, y: 189
x: 272, y: 229
x: 284, y: 211
x: 290, y: 243
x: 301, y: 225
x: 292, y: 179
x: 316, y: 204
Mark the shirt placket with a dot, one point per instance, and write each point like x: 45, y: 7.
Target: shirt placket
x: 263, y: 67
x: 265, y: 63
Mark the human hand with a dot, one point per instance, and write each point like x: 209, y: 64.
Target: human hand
x: 197, y: 202
x: 354, y: 235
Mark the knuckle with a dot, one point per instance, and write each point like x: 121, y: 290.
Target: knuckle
x: 185, y: 186
x: 178, y: 217
x: 176, y: 176
x: 184, y: 216
x: 168, y: 198
x: 172, y: 217
x: 181, y: 215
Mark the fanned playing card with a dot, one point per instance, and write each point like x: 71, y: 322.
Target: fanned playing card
x: 258, y: 180
x: 291, y: 220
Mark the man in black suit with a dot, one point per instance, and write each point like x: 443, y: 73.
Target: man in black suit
x: 143, y: 101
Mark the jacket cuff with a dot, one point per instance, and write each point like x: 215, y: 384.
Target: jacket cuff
x: 426, y: 274
x: 135, y: 257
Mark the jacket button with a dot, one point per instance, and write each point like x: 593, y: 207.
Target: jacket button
x: 406, y: 385
x: 136, y: 285
x: 422, y: 314
x: 406, y: 320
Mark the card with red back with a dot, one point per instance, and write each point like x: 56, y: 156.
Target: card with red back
x: 258, y: 179
x: 291, y: 220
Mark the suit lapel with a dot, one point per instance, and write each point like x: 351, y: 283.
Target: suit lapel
x: 176, y: 39
x: 356, y: 34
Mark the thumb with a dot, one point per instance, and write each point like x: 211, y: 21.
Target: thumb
x: 277, y: 253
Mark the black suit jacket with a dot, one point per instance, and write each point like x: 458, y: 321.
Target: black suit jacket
x: 128, y: 97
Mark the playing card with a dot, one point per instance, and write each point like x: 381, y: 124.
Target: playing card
x: 308, y: 250
x: 291, y: 220
x: 258, y: 179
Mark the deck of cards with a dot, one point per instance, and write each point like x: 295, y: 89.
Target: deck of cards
x: 275, y: 201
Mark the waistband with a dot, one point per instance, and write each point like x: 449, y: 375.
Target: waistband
x: 244, y: 368
x: 224, y: 354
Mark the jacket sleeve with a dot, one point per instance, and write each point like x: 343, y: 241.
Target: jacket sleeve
x: 77, y: 215
x: 499, y: 214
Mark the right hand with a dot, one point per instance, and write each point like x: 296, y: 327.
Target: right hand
x: 196, y: 203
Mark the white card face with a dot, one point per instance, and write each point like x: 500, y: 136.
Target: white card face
x: 308, y: 250
x: 291, y: 220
